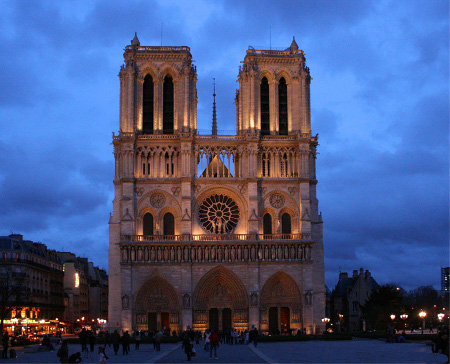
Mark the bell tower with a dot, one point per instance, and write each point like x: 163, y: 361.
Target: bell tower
x: 273, y: 96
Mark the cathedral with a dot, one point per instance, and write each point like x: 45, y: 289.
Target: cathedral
x: 215, y: 231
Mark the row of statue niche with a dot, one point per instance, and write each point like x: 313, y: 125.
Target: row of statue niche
x: 211, y: 253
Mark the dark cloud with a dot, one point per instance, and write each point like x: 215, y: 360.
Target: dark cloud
x: 379, y: 103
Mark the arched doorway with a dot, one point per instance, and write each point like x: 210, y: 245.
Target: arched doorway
x: 157, y: 306
x: 281, y: 304
x: 220, y: 302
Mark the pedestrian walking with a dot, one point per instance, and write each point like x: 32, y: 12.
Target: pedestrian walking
x: 214, y: 344
x: 63, y: 352
x: 254, y: 336
x: 116, y: 341
x: 207, y: 341
x: 102, y: 358
x: 187, y: 346
x: 137, y: 339
x: 125, y: 343
x: 5, y: 343
x: 91, y: 340
x: 158, y: 338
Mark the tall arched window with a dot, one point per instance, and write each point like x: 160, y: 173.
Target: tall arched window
x: 286, y: 223
x: 282, y: 107
x: 147, y: 105
x: 148, y: 224
x: 168, y: 105
x: 169, y: 224
x: 265, y: 107
x: 267, y: 224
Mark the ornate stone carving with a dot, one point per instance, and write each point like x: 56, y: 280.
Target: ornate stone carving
x: 157, y: 200
x: 262, y: 190
x: 176, y: 191
x: 186, y: 301
x: 254, y: 299
x: 219, y: 214
x: 139, y: 191
x: 277, y: 200
x: 125, y: 302
x: 292, y: 190
x: 242, y: 188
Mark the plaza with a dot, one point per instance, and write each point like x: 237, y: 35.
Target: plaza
x: 352, y: 351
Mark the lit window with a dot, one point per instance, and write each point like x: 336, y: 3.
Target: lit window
x: 77, y: 280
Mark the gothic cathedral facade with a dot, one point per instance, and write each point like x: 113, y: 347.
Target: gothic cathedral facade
x: 215, y: 231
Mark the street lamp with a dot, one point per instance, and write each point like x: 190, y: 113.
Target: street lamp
x: 325, y: 320
x: 440, y: 316
x: 422, y: 315
x: 404, y: 317
x: 392, y: 317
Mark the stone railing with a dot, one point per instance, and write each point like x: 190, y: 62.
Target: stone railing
x: 226, y: 252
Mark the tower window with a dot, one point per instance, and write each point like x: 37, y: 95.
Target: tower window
x: 147, y: 105
x: 169, y: 224
x: 148, y: 224
x: 168, y: 105
x: 282, y: 107
x: 286, y: 223
x: 267, y: 224
x: 265, y: 107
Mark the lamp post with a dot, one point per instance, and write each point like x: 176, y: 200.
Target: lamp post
x: 422, y: 315
x: 440, y: 317
x: 325, y: 320
x: 404, y: 317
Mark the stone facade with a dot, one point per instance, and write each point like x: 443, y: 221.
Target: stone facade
x: 219, y: 231
x: 347, y: 298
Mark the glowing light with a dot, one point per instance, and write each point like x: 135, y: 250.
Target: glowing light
x: 77, y: 280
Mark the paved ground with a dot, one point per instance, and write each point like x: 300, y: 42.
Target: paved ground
x: 356, y: 351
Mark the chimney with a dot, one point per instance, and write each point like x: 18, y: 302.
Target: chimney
x: 355, y: 273
x: 343, y: 275
x: 361, y: 271
x: 367, y: 274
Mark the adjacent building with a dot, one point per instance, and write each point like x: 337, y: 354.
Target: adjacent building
x: 32, y: 288
x: 347, y: 298
x: 218, y: 231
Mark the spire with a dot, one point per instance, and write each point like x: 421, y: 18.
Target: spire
x: 135, y: 41
x: 214, y: 123
x: 294, y: 45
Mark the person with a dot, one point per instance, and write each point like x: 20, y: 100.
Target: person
x: 402, y: 337
x: 187, y: 346
x: 5, y: 343
x: 102, y: 358
x: 125, y: 343
x: 91, y: 337
x: 63, y: 352
x: 254, y: 336
x: 246, y: 337
x: 115, y: 341
x: 158, y: 338
x: 207, y: 341
x: 214, y: 344
x: 83, y: 339
x: 108, y: 339
x: 75, y: 358
x: 137, y: 339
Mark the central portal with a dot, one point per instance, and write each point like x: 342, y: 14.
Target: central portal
x: 220, y: 302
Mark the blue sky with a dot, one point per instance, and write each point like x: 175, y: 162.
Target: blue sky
x: 380, y: 104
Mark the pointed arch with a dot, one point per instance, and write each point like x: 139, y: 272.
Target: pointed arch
x: 281, y: 290
x: 282, y: 107
x: 168, y: 104
x: 220, y: 286
x: 147, y: 104
x: 157, y: 294
x: 264, y: 90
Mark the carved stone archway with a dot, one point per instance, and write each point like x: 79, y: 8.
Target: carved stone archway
x: 157, y: 300
x: 220, y: 289
x: 281, y: 295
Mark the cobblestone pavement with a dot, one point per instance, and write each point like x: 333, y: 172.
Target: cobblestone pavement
x: 355, y: 351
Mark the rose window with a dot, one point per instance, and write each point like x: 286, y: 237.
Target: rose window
x: 218, y: 214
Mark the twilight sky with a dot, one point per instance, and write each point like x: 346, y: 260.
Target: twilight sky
x: 380, y: 103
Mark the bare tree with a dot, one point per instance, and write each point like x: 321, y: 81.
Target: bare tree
x: 14, y: 294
